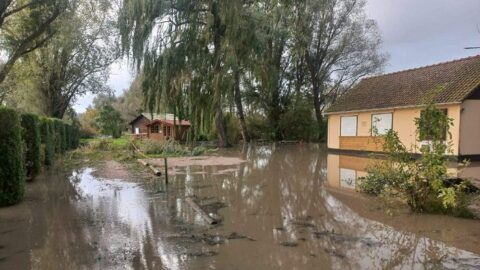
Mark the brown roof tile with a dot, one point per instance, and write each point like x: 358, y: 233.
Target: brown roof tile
x: 450, y: 81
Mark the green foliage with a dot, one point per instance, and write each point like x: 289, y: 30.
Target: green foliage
x: 12, y: 174
x: 199, y: 150
x: 110, y: 122
x: 163, y: 148
x: 420, y: 182
x: 299, y: 124
x: 48, y: 140
x: 32, y: 140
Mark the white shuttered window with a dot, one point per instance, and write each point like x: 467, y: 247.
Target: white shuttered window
x: 348, y: 126
x: 381, y: 123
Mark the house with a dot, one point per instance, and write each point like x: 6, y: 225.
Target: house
x: 393, y: 101
x: 159, y: 127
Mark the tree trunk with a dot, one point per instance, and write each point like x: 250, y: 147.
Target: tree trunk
x: 218, y: 30
x: 239, y: 105
x: 317, y: 103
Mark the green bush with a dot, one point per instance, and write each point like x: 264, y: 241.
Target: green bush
x: 12, y: 174
x: 298, y: 124
x: 47, y: 138
x: 31, y: 138
x: 57, y: 124
x: 63, y: 136
x: 170, y: 147
x: 419, y: 182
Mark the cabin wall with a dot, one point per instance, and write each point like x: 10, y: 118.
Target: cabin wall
x: 403, y: 121
x: 470, y: 128
x: 141, y: 123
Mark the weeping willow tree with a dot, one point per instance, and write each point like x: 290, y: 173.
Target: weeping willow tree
x: 179, y: 45
x: 201, y: 59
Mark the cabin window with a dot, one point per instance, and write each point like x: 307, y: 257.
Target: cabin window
x: 426, y: 131
x: 381, y: 123
x: 154, y: 129
x: 348, y: 126
x: 165, y: 131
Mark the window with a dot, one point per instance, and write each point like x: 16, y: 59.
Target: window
x: 164, y: 130
x: 381, y: 123
x: 348, y: 126
x: 154, y: 129
x: 348, y: 178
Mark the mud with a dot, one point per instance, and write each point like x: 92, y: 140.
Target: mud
x: 283, y: 207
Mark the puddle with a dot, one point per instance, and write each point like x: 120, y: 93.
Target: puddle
x: 285, y: 207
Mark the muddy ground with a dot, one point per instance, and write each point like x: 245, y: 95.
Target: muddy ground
x: 278, y: 208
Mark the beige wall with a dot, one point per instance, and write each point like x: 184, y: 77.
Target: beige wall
x: 403, y: 123
x: 470, y: 128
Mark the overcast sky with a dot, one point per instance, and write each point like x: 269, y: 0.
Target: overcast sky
x: 415, y: 33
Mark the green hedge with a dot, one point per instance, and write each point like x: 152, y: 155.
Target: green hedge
x: 12, y: 174
x: 31, y: 138
x: 57, y: 126
x: 48, y: 140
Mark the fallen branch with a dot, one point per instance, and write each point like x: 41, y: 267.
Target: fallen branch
x: 143, y: 162
x: 202, y: 213
x: 155, y: 170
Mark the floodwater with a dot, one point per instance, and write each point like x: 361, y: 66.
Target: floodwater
x: 286, y: 207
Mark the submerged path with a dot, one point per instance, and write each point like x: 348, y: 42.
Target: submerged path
x: 280, y: 209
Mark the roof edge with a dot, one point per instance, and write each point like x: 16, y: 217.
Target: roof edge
x: 423, y: 67
x: 390, y: 108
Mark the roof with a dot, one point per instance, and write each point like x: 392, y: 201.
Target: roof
x: 170, y: 122
x: 448, y: 82
x: 158, y: 116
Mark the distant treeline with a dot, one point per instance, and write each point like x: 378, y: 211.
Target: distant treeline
x: 28, y: 142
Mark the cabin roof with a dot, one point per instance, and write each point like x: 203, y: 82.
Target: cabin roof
x: 443, y: 83
x: 170, y: 122
x: 166, y: 117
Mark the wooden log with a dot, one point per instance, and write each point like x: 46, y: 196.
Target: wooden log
x: 200, y: 211
x: 156, y: 171
x: 143, y: 162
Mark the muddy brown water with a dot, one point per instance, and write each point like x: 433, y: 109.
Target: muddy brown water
x: 286, y: 207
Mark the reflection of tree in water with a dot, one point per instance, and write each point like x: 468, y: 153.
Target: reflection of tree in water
x: 282, y: 187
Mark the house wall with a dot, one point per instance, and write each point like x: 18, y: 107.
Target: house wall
x: 141, y: 123
x: 470, y: 128
x: 403, y: 122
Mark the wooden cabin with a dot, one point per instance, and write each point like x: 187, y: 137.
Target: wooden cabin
x: 393, y: 101
x: 159, y: 127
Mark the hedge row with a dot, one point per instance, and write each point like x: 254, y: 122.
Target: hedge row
x: 26, y: 142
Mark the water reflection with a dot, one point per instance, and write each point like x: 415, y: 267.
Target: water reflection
x: 287, y: 207
x: 344, y: 170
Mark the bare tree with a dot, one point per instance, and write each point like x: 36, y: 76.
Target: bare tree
x: 340, y: 47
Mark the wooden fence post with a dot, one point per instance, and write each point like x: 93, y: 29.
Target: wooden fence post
x: 166, y: 170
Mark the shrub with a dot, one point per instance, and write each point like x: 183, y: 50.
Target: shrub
x: 57, y: 135
x: 298, y: 124
x: 420, y: 182
x: 12, y: 178
x: 63, y: 137
x: 169, y: 147
x: 199, y: 150
x: 31, y: 138
x: 47, y: 138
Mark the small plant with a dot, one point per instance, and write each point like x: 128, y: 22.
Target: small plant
x: 199, y: 150
x: 419, y: 182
